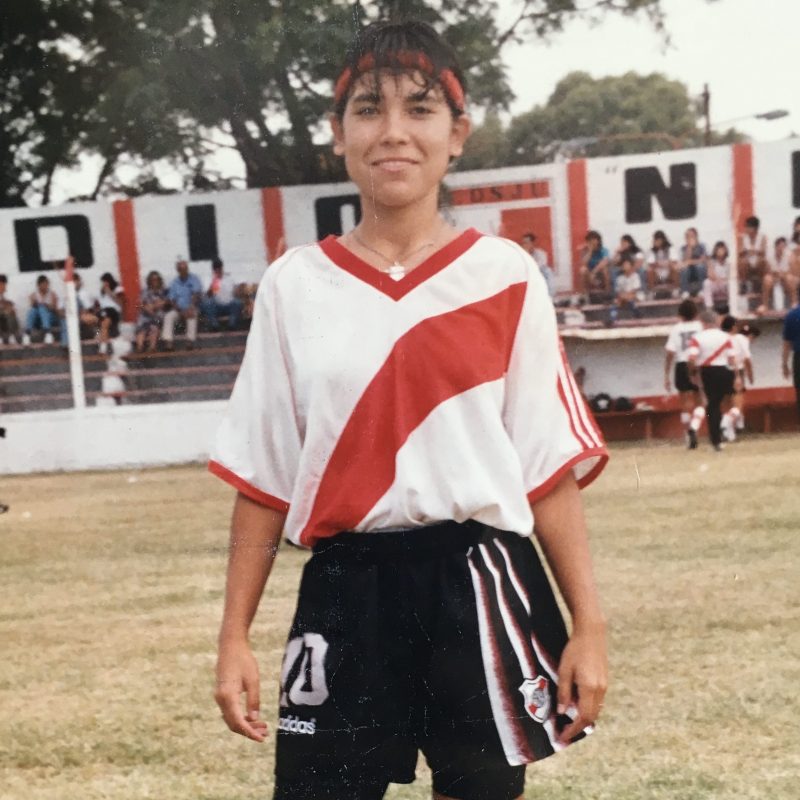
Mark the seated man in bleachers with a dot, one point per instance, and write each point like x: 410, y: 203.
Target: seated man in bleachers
x: 184, y: 296
x: 43, y: 313
x: 220, y: 298
x: 9, y: 324
x: 628, y: 289
x: 783, y: 269
x: 751, y: 263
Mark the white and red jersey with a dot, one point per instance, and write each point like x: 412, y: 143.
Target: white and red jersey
x: 366, y: 403
x: 679, y: 337
x: 711, y: 347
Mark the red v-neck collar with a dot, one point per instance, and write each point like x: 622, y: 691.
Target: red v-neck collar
x: 436, y: 262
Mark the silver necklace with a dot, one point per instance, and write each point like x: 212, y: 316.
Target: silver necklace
x: 396, y: 270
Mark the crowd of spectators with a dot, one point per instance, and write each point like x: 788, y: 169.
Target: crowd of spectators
x: 631, y: 274
x: 163, y: 308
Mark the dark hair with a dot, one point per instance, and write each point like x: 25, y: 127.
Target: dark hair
x: 687, y: 310
x: 632, y: 246
x: 663, y: 236
x: 42, y: 279
x: 594, y: 235
x: 728, y: 323
x: 717, y: 246
x: 3, y: 279
x: 626, y: 258
x: 752, y: 222
x: 110, y: 280
x: 780, y: 240
x: 216, y: 263
x: 529, y: 235
x: 750, y: 330
x: 387, y: 43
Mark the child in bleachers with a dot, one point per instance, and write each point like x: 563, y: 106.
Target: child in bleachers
x: 715, y: 286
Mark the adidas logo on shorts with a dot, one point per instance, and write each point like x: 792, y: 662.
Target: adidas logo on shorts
x: 297, y: 725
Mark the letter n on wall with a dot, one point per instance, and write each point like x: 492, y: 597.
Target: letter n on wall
x: 678, y: 200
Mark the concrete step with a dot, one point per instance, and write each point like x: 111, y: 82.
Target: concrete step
x: 16, y: 352
x: 44, y: 385
x: 183, y: 358
x: 182, y: 377
x: 47, y: 366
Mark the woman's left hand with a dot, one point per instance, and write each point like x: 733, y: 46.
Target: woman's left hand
x: 583, y: 678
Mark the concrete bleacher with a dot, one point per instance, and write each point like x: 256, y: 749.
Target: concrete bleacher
x: 37, y: 378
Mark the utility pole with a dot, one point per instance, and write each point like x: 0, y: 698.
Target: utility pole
x: 707, y: 114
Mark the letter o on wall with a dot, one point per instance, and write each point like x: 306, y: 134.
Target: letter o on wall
x: 29, y: 251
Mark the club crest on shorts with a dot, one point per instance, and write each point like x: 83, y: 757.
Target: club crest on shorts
x: 537, y: 697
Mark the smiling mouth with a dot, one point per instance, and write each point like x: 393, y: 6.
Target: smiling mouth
x: 394, y: 164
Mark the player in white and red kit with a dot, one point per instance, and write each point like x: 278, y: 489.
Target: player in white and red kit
x: 677, y: 350
x: 711, y: 355
x: 742, y: 334
x: 404, y: 409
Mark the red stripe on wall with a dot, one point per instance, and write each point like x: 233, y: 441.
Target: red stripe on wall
x: 578, y: 214
x: 742, y: 184
x: 274, y: 233
x: 439, y: 358
x: 127, y: 256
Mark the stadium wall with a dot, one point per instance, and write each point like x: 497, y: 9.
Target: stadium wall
x: 108, y: 437
x: 712, y: 189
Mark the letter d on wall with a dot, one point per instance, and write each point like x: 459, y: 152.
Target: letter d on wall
x: 29, y: 245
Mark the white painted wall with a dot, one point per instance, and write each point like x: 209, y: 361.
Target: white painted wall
x: 101, y: 438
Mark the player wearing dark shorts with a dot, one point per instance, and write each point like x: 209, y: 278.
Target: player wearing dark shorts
x: 711, y: 354
x: 404, y: 409
x: 676, y: 349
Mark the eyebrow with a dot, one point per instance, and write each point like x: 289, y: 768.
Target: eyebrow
x: 367, y: 97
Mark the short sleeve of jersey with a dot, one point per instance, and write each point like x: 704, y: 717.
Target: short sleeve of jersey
x: 544, y: 413
x: 673, y: 344
x: 258, y: 444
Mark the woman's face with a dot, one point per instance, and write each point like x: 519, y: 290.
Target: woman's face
x: 397, y: 138
x: 691, y: 237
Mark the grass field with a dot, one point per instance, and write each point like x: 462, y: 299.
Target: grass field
x: 112, y: 589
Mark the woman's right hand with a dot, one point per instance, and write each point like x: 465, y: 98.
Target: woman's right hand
x: 237, y: 674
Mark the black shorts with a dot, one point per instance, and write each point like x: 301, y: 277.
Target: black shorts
x: 683, y: 382
x: 444, y: 639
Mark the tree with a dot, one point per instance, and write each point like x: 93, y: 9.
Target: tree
x: 136, y: 81
x: 585, y: 116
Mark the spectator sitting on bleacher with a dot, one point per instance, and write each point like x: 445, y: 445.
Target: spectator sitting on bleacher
x: 88, y: 313
x: 220, y: 298
x: 627, y: 246
x: 43, y: 313
x: 152, y: 305
x: 662, y: 271
x: 628, y: 288
x: 783, y: 269
x: 594, y: 271
x: 693, y: 270
x: 9, y: 324
x: 184, y: 296
x: 110, y: 301
x: 540, y: 257
x: 752, y: 258
x: 715, y: 286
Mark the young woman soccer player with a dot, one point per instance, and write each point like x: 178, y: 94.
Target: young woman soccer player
x: 404, y: 409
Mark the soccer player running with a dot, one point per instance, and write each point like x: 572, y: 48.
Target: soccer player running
x: 677, y: 350
x: 404, y: 409
x: 711, y: 353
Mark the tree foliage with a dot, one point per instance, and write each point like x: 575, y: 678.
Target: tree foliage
x: 587, y: 116
x: 138, y: 81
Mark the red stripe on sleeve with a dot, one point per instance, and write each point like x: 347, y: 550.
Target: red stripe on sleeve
x: 247, y: 489
x: 543, y: 489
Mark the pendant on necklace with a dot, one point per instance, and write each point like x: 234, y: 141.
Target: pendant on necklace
x: 396, y: 271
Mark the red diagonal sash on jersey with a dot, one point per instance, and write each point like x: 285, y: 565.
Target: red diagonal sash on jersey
x: 437, y: 359
x: 716, y: 353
